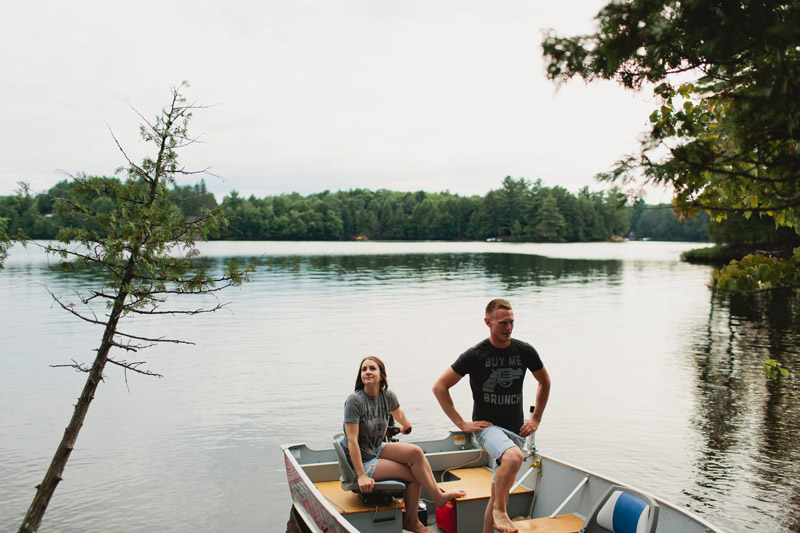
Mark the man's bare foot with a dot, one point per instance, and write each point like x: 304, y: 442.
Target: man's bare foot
x: 445, y: 497
x: 502, y: 522
x: 416, y: 527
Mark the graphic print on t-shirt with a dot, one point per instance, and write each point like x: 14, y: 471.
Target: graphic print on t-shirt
x: 499, y: 379
x: 503, y: 377
x: 376, y: 417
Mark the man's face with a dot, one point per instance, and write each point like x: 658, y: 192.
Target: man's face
x: 501, y: 323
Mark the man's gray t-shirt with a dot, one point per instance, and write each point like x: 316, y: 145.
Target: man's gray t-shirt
x: 496, y: 376
x: 372, y: 416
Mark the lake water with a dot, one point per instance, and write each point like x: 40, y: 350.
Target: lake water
x: 656, y: 381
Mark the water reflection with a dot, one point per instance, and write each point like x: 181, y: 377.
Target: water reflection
x: 748, y: 427
x: 511, y: 270
x: 710, y: 432
x: 295, y: 525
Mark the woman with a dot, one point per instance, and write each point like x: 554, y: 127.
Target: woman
x: 366, y: 417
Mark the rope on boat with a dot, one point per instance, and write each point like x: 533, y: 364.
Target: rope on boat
x: 375, y: 518
x: 480, y: 456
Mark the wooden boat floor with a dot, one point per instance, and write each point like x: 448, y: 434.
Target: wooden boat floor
x: 347, y: 502
x: 476, y: 482
x: 565, y: 523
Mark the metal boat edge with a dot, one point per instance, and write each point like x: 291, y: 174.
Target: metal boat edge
x: 569, y: 488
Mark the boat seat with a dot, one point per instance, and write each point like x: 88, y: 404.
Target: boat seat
x: 382, y: 490
x: 564, y: 523
x: 623, y: 510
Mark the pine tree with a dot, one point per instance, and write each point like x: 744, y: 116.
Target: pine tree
x: 143, y: 250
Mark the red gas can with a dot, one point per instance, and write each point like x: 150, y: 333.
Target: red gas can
x: 446, y: 517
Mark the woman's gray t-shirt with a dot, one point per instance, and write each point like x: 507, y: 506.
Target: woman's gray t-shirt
x: 371, y: 413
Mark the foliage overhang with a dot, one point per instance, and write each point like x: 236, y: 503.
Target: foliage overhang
x: 726, y: 135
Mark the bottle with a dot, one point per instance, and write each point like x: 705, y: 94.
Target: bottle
x: 530, y: 440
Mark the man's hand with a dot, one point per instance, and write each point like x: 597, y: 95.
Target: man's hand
x: 471, y: 427
x: 530, y: 426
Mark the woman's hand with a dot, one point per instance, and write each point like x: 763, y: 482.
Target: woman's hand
x: 401, y: 418
x: 365, y: 484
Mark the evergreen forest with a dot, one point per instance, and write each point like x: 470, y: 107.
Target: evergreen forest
x: 518, y: 210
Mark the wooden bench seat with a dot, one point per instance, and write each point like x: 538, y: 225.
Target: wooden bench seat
x: 565, y: 523
x: 347, y: 502
x: 476, y: 482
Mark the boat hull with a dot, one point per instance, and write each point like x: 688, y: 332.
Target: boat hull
x: 547, y: 490
x: 309, y: 504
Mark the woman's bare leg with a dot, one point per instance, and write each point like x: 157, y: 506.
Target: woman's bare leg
x: 412, y: 456
x: 388, y: 469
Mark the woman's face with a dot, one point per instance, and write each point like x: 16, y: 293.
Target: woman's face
x: 370, y: 372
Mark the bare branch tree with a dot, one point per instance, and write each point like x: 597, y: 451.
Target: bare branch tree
x: 143, y: 250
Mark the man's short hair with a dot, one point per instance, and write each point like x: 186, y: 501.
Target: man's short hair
x: 497, y: 303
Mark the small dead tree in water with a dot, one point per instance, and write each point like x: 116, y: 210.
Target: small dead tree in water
x: 143, y: 248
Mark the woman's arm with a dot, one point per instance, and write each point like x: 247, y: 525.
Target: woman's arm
x: 400, y: 417
x: 365, y: 483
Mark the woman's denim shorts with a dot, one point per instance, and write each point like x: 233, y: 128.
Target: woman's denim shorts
x: 370, y: 464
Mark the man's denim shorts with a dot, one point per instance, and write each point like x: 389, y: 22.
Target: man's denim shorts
x: 496, y: 440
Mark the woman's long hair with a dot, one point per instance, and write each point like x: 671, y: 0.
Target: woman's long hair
x: 381, y: 367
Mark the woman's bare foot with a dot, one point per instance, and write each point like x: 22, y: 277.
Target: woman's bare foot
x: 502, y: 522
x: 416, y: 526
x: 445, y: 497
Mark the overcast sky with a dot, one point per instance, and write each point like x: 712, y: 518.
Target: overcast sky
x: 309, y: 95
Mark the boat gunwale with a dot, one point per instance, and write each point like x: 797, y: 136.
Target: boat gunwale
x: 661, y: 501
x: 680, y: 510
x: 315, y: 494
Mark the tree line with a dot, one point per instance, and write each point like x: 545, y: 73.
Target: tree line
x: 519, y: 210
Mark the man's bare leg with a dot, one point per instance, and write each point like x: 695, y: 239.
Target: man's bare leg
x: 496, y: 516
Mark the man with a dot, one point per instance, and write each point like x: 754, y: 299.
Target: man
x: 496, y: 368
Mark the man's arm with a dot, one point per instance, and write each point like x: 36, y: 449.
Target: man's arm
x: 441, y: 389
x: 542, y: 394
